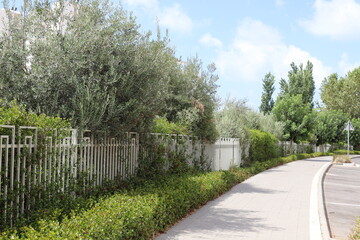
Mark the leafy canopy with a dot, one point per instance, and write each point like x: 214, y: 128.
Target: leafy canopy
x: 296, y: 115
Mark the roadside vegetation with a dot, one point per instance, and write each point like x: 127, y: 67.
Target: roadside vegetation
x: 356, y: 234
x: 95, y: 69
x: 143, y: 207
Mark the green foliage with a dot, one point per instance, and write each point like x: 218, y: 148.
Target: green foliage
x: 342, y: 93
x: 355, y: 235
x: 162, y: 154
x: 265, y: 123
x: 296, y: 115
x: 263, y: 146
x: 236, y: 118
x: 230, y: 120
x: 13, y: 113
x: 194, y: 102
x: 162, y: 125
x: 301, y: 81
x: 343, y: 152
x: 267, y: 102
x: 329, y: 126
x: 355, y: 135
x: 96, y: 68
x: 146, y: 207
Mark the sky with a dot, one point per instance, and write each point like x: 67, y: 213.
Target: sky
x: 248, y: 38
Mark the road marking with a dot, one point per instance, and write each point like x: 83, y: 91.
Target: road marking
x: 344, y: 204
x: 344, y: 185
x: 331, y: 174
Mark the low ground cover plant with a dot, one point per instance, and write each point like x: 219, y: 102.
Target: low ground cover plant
x: 356, y: 233
x: 341, y: 159
x: 145, y: 207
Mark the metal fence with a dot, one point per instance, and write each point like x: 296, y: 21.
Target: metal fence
x: 302, y: 148
x: 36, y: 164
x: 32, y: 162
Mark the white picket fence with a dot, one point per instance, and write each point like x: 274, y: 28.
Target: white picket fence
x: 31, y: 162
x: 302, y: 147
x: 224, y: 153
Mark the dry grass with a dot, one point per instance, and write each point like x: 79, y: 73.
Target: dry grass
x: 341, y: 159
x: 356, y: 233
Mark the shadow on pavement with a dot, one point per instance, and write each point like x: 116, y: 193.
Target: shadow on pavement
x: 220, y: 219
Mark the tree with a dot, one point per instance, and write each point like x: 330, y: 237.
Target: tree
x: 296, y: 115
x: 300, y: 81
x: 88, y: 62
x: 329, y: 126
x: 199, y: 88
x: 355, y: 135
x: 267, y: 103
x: 231, y: 120
x: 236, y: 118
x: 342, y: 93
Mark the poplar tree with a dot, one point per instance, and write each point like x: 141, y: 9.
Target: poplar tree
x: 300, y: 81
x: 267, y: 102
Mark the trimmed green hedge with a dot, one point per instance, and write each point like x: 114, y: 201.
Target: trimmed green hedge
x: 263, y: 145
x: 342, y: 151
x: 146, y: 207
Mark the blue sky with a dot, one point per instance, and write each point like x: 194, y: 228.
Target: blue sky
x: 248, y: 38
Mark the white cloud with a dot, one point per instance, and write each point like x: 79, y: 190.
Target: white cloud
x: 172, y: 18
x: 146, y: 4
x: 175, y: 19
x: 339, y: 19
x: 258, y: 49
x: 280, y: 3
x: 210, y: 41
x: 345, y: 66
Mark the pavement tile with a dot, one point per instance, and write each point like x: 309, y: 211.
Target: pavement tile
x: 271, y: 205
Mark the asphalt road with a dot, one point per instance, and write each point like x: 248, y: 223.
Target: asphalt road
x: 342, y: 198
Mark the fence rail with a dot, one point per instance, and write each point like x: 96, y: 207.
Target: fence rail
x: 31, y: 162
x: 37, y: 164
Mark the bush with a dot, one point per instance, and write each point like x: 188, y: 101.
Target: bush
x: 344, y: 152
x: 146, y: 207
x: 162, y: 125
x: 263, y: 146
x: 356, y: 233
x: 12, y: 113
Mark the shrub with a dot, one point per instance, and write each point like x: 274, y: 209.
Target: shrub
x: 12, y: 113
x: 146, y: 207
x: 341, y: 159
x: 263, y: 146
x: 162, y: 125
x: 344, y: 152
x: 356, y: 232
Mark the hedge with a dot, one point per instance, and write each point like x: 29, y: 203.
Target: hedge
x: 342, y: 151
x: 263, y: 145
x: 146, y: 207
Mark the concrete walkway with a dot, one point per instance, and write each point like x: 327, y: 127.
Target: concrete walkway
x: 271, y: 205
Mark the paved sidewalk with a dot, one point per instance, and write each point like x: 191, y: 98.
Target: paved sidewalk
x: 271, y: 205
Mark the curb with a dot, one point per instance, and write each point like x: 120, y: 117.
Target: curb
x: 316, y: 209
x: 323, y: 217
